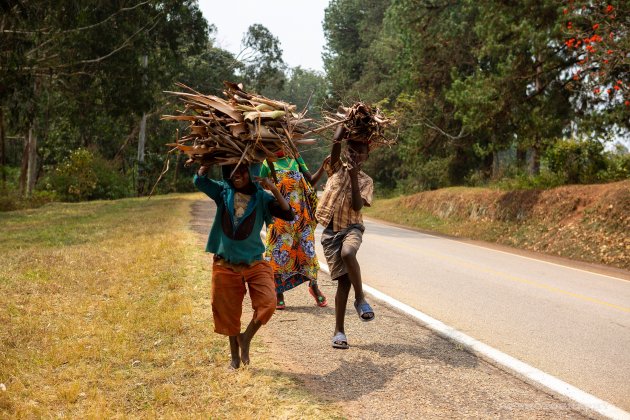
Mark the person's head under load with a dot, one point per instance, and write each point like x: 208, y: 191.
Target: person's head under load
x: 239, y: 176
x: 358, y: 152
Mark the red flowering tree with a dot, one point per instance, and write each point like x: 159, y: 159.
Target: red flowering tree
x: 597, y: 35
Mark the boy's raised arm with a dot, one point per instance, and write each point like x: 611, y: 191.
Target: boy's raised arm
x: 335, y: 153
x: 208, y: 186
x: 317, y: 175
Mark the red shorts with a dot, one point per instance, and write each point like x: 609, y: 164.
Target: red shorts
x: 228, y: 291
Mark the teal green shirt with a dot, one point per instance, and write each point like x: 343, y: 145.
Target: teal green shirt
x: 235, y: 251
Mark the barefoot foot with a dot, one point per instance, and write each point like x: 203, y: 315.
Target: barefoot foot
x: 235, y: 363
x: 243, y: 342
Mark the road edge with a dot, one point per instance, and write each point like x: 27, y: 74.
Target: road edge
x: 580, y: 400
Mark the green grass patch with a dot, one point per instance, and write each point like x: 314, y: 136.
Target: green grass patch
x: 106, y: 313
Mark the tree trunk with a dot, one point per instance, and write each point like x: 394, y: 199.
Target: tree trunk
x: 174, y: 188
x: 495, y: 165
x: 31, y: 174
x: 141, y: 142
x: 142, y: 138
x: 521, y: 158
x: 486, y: 166
x: 3, y: 159
x: 24, y: 166
x: 534, y: 162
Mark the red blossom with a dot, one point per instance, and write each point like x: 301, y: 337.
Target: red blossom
x: 627, y: 103
x: 565, y: 11
x: 596, y: 91
x: 609, y: 91
x: 609, y: 8
x: 617, y: 87
x: 596, y: 26
x: 609, y: 52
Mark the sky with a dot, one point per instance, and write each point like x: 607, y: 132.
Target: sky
x: 296, y: 23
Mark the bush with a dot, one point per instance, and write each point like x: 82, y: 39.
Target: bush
x: 430, y: 175
x: 86, y: 176
x: 522, y: 181
x: 580, y: 161
x: 617, y: 165
x: 11, y: 199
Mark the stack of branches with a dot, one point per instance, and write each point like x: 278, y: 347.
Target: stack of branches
x: 244, y: 127
x: 362, y: 123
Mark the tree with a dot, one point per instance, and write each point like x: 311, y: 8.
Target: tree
x: 88, y: 59
x: 351, y: 27
x: 596, y: 37
x: 263, y: 66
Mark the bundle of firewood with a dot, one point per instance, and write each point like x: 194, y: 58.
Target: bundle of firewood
x: 243, y: 127
x: 362, y: 123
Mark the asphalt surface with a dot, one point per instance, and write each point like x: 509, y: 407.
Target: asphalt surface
x: 395, y: 367
x: 570, y: 323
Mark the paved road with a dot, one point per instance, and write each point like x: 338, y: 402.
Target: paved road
x: 570, y: 323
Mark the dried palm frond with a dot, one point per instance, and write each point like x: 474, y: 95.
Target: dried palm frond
x: 243, y: 127
x: 362, y: 123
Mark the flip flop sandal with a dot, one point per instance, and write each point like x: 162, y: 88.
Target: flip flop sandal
x: 364, y: 309
x: 340, y: 341
x: 280, y: 305
x: 319, y: 300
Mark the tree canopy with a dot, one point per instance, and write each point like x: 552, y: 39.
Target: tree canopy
x: 481, y: 90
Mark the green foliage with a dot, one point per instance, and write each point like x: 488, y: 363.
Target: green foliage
x: 524, y: 181
x: 430, y: 175
x: 87, y: 176
x: 263, y: 63
x: 352, y: 27
x: 618, y: 165
x: 580, y: 161
x: 11, y: 199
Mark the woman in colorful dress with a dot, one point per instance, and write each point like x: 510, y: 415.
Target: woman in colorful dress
x: 290, y: 246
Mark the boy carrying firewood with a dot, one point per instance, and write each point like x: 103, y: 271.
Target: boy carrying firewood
x: 242, y: 208
x: 347, y: 190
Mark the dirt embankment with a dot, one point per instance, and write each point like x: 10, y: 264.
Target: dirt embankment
x: 585, y: 222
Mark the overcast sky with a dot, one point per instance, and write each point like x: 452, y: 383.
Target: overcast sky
x: 296, y: 23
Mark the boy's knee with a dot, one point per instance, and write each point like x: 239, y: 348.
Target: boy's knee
x: 348, y: 254
x: 265, y: 309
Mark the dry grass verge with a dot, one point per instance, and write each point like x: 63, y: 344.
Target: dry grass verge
x: 106, y: 313
x: 584, y: 222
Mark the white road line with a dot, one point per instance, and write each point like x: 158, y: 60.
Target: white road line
x: 530, y: 373
x: 508, y: 362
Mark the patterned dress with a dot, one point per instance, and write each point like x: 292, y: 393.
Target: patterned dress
x: 290, y: 246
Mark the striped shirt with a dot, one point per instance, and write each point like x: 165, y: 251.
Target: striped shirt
x: 336, y: 202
